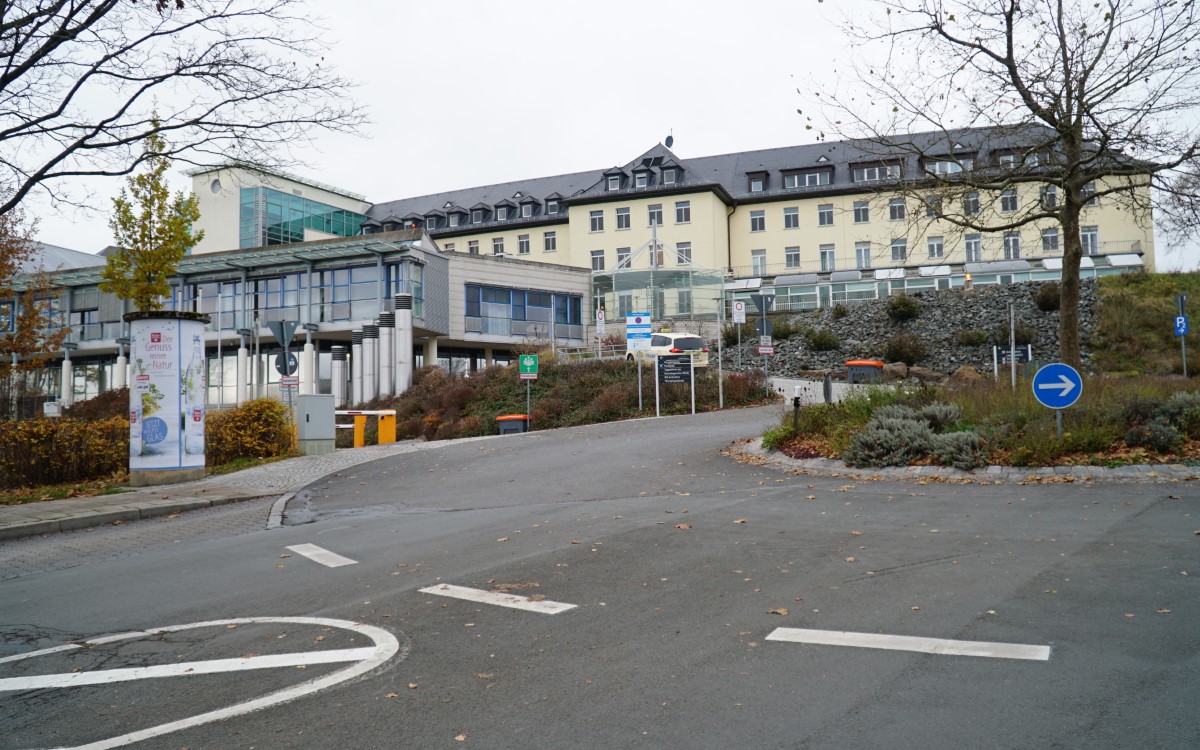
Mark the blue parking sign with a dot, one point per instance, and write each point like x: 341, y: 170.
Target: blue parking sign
x: 1057, y: 386
x: 1181, y: 325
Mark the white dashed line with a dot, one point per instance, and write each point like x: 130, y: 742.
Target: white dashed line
x: 322, y: 555
x: 499, y: 599
x: 912, y: 643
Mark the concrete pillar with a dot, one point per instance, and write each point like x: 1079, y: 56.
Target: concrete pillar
x: 338, y: 377
x: 120, y: 372
x: 243, y: 369
x: 370, y: 362
x: 431, y: 351
x: 404, y: 342
x: 489, y: 357
x: 356, y: 367
x: 387, y: 354
x: 308, y: 369
x: 66, y: 395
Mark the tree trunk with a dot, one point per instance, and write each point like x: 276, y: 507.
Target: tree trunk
x: 1068, y: 298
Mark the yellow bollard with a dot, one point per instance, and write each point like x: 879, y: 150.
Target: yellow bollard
x: 360, y: 430
x: 386, y: 428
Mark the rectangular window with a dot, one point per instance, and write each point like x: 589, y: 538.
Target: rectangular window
x: 1008, y: 200
x: 791, y: 181
x: 477, y: 216
x: 597, y: 260
x: 522, y: 244
x: 449, y: 247
x: 1008, y: 161
x: 552, y: 206
x: 473, y: 247
x: 668, y: 176
x: 683, y: 253
x: 862, y: 212
x: 827, y: 258
x: 933, y: 206
x: 623, y: 257
x: 1049, y: 196
x: 971, y: 204
x: 1090, y: 236
x: 641, y: 180
x: 431, y: 222
x: 549, y: 242
x: 791, y: 218
x: 526, y: 210
x: 502, y: 213
x: 862, y: 254
x: 614, y: 182
x: 875, y: 173
x: 812, y: 179
x: 1089, y: 195
x: 791, y: 257
x: 897, y: 210
x: 597, y: 221
x: 825, y: 215
x: 622, y: 218
x: 974, y: 248
x: 454, y: 220
x: 756, y: 184
x: 1012, y: 245
x: 758, y: 221
x: 899, y: 250
x: 1050, y: 242
x: 758, y: 262
x: 684, y: 299
x: 937, y: 247
x: 497, y: 246
x: 946, y: 167
x: 624, y: 304
x: 683, y: 212
x: 654, y: 215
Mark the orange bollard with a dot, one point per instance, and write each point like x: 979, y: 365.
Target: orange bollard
x: 360, y: 430
x: 387, y: 428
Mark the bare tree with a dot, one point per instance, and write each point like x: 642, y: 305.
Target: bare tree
x: 232, y: 81
x: 1082, y: 102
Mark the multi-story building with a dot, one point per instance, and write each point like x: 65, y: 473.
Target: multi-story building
x: 496, y: 266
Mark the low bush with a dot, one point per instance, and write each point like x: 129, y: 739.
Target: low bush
x: 56, y: 451
x: 114, y: 403
x: 1023, y: 334
x: 1047, y: 297
x: 903, y: 307
x: 1158, y: 435
x: 776, y: 436
x: 1182, y: 411
x: 940, y: 416
x: 256, y: 429
x: 889, y: 442
x: 972, y: 337
x: 784, y: 328
x: 904, y: 347
x: 962, y: 450
x: 839, y: 311
x: 822, y: 340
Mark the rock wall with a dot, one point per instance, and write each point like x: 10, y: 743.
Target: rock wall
x: 865, y: 329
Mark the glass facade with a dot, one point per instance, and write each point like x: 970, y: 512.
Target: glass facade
x: 517, y: 312
x: 271, y: 217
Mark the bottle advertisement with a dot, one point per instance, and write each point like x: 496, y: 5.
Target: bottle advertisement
x: 166, y: 397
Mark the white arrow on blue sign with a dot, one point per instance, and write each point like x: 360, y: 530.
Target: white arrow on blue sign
x: 1057, y: 386
x: 1181, y: 325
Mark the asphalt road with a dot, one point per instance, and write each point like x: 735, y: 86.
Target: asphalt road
x: 680, y: 562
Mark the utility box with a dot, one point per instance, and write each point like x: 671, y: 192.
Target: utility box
x: 315, y: 430
x: 864, y: 371
x: 513, y: 424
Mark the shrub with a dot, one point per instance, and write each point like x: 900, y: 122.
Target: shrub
x: 256, y: 429
x: 777, y: 436
x: 729, y: 332
x: 962, y: 450
x: 889, y: 442
x: 894, y: 411
x: 941, y: 415
x: 1182, y: 411
x: 57, y: 451
x: 904, y: 347
x: 1023, y: 333
x: 902, y: 307
x: 1158, y: 435
x: 1046, y: 298
x: 1140, y: 411
x: 972, y: 337
x: 784, y: 329
x: 114, y: 403
x: 839, y: 311
x: 822, y: 340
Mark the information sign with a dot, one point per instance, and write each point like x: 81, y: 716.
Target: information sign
x: 527, y: 365
x: 766, y: 350
x: 739, y: 311
x: 674, y: 368
x: 637, y: 332
x: 1181, y: 325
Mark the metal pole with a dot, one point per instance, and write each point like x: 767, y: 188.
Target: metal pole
x: 1012, y: 344
x: 739, y: 344
x: 1183, y: 349
x: 639, y: 364
x: 1058, y: 419
x: 766, y: 378
x: 692, y: 365
x: 720, y: 339
x: 657, y: 402
x: 528, y: 385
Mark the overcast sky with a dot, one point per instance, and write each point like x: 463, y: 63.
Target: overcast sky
x: 472, y: 93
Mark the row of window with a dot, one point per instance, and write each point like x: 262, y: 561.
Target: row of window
x: 682, y: 256
x: 549, y: 244
x: 499, y: 303
x: 642, y: 179
x: 654, y: 216
x: 935, y: 248
x: 457, y: 217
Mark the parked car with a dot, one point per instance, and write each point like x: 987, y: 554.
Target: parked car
x: 666, y: 342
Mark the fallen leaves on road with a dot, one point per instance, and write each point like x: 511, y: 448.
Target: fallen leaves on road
x: 851, y: 559
x: 1129, y: 614
x: 683, y: 526
x: 285, y: 555
x: 509, y: 587
x: 778, y: 611
x: 915, y: 609
x: 855, y: 533
x: 1162, y: 610
x: 412, y: 686
x: 742, y: 520
x: 392, y: 695
x: 461, y: 737
x: 503, y: 539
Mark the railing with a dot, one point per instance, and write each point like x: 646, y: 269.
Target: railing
x: 604, y: 351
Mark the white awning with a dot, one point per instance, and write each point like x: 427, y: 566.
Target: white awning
x: 889, y: 273
x: 1126, y: 261
x: 742, y: 285
x: 934, y: 270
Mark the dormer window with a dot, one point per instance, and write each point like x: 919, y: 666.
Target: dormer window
x: 453, y: 220
x: 526, y: 210
x: 552, y: 206
x: 614, y: 182
x: 947, y: 167
x: 502, y: 213
x: 756, y: 184
x: 641, y: 179
x: 431, y: 222
x: 796, y: 180
x: 668, y: 176
x: 876, y: 172
x: 477, y: 216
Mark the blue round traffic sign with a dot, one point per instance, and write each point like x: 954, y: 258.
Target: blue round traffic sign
x: 1057, y: 386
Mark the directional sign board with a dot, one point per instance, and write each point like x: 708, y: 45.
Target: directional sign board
x: 674, y: 368
x: 766, y: 350
x: 527, y: 365
x: 739, y: 311
x: 1181, y: 325
x: 637, y: 332
x: 1057, y: 386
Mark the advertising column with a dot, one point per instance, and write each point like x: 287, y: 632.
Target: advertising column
x: 166, y: 400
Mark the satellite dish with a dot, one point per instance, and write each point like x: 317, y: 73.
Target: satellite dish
x: 670, y: 141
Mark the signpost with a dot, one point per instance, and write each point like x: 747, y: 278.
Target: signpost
x: 527, y: 365
x: 739, y: 317
x: 637, y: 339
x: 600, y: 331
x: 1057, y: 386
x: 764, y: 300
x: 1181, y: 329
x: 674, y: 368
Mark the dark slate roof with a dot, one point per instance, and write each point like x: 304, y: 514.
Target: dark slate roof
x: 55, y: 258
x: 540, y: 188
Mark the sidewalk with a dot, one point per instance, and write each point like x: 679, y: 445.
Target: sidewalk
x: 274, y: 479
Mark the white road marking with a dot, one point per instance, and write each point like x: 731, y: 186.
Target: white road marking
x: 322, y: 555
x: 184, y: 669
x: 512, y: 601
x: 56, y: 649
x: 912, y: 643
x: 386, y: 646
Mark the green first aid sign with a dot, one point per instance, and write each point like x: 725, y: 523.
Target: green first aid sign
x: 527, y: 365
